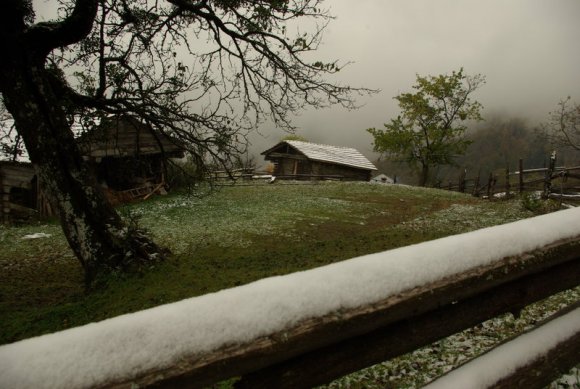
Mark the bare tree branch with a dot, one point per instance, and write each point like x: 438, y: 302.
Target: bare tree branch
x: 50, y: 35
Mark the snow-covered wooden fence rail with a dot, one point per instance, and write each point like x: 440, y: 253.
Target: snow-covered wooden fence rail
x: 308, y: 328
x: 530, y: 360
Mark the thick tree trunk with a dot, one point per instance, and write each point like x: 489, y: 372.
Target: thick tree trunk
x: 94, y: 230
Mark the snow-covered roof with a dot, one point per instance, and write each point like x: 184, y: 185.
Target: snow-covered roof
x: 346, y: 156
x: 126, y: 135
x: 9, y: 137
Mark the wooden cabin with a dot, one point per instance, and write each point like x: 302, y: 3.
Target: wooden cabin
x: 294, y: 159
x: 129, y: 159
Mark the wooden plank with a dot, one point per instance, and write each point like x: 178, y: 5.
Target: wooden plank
x: 374, y: 333
x: 521, y: 176
x: 158, y: 187
x: 528, y: 373
x: 542, y: 371
x: 410, y: 333
x: 289, y: 156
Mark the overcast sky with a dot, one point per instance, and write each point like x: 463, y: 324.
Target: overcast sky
x: 527, y: 49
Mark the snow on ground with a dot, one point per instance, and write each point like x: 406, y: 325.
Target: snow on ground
x: 36, y: 235
x: 129, y: 344
x: 501, y: 362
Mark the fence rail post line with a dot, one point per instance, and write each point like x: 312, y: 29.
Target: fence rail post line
x: 476, y: 184
x: 521, y: 176
x: 548, y: 177
x: 462, y: 180
x: 538, y: 179
x: 507, y: 182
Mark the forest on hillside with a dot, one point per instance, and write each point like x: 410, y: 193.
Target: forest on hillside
x: 497, y: 143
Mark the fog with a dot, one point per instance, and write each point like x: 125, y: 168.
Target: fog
x: 527, y: 49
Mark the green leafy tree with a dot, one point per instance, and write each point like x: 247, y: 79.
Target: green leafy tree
x: 205, y: 72
x: 430, y: 129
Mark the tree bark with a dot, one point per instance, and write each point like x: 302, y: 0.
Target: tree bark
x: 94, y: 230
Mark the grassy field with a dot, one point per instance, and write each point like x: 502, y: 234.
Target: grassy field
x: 227, y: 237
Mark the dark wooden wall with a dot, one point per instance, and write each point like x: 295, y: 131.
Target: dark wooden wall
x: 16, y: 180
x: 294, y: 167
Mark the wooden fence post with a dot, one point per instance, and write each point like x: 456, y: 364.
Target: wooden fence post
x: 490, y: 183
x: 476, y: 184
x: 462, y: 181
x: 507, y: 182
x: 4, y: 206
x: 521, y: 178
x: 548, y: 177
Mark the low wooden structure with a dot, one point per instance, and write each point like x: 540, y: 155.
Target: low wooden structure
x: 304, y: 160
x: 128, y: 156
x: 17, y: 189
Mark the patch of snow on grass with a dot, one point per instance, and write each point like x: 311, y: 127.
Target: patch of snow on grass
x: 37, y: 235
x: 465, y: 217
x: 225, y: 219
x: 159, y: 337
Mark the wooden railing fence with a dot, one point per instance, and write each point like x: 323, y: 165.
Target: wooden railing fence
x: 321, y: 349
x: 233, y: 174
x: 551, y: 181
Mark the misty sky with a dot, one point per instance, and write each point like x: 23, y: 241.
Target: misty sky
x: 527, y: 49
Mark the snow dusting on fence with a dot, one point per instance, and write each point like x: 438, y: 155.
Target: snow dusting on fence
x: 485, y: 371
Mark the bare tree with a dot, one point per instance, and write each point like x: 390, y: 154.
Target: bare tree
x: 563, y: 127
x: 205, y: 72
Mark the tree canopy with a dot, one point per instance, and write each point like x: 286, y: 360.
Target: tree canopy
x: 430, y: 129
x: 205, y: 72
